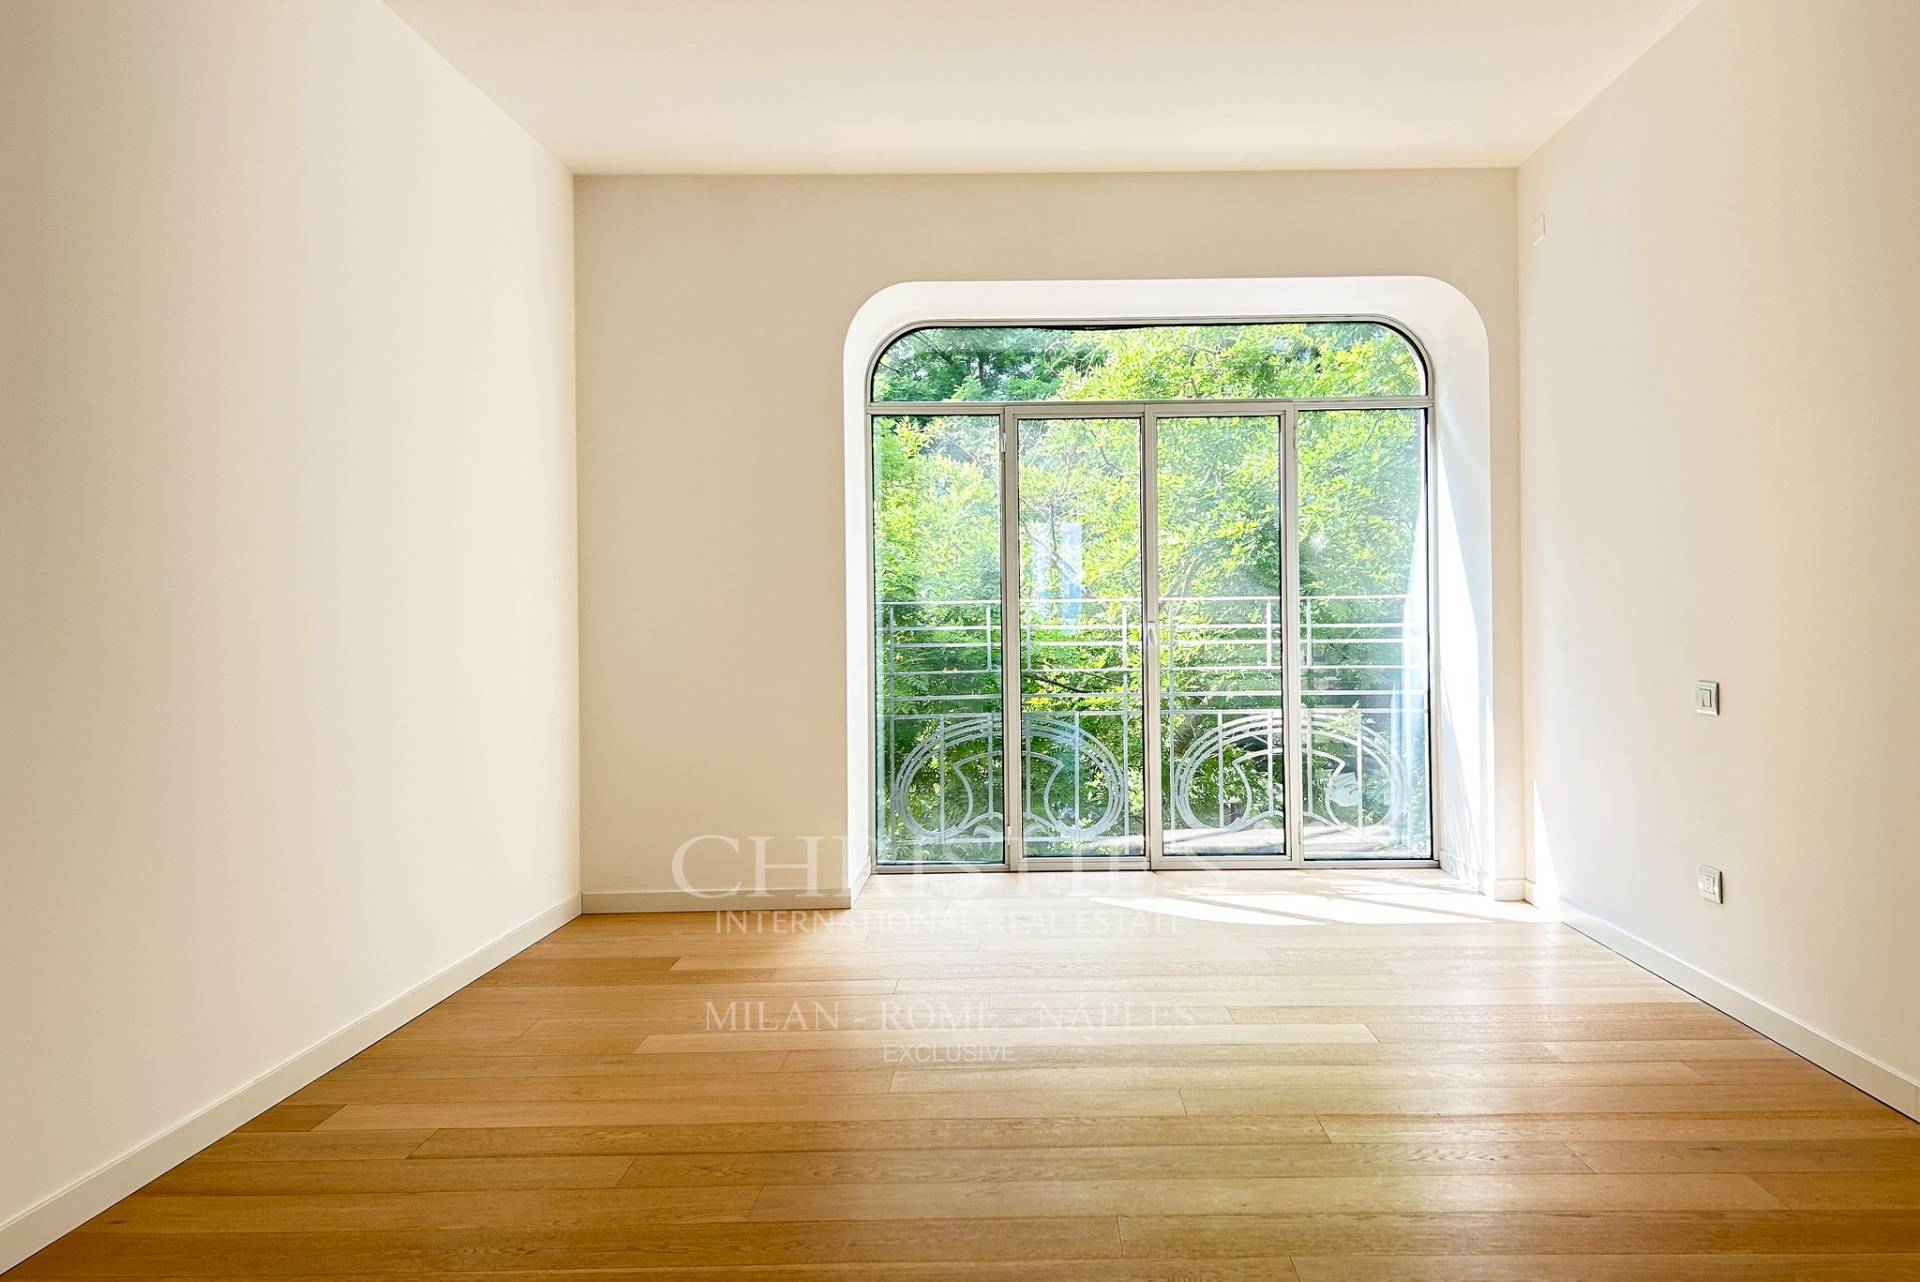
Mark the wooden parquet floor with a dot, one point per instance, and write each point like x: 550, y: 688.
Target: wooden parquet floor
x: 1333, y: 1076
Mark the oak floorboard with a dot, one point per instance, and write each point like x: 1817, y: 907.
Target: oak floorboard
x: 523, y: 1087
x: 995, y: 1166
x: 508, y: 1251
x: 1276, y: 982
x: 553, y: 1207
x: 1697, y: 1027
x: 376, y: 1175
x: 289, y: 1117
x: 662, y: 988
x: 1398, y: 1232
x: 1634, y: 1001
x: 1883, y: 1190
x: 1253, y: 1196
x: 924, y: 975
x: 1019, y: 1038
x: 755, y: 1108
x: 1610, y: 1268
x: 867, y: 1135
x: 1752, y: 1156
x: 312, y: 1146
x: 1748, y: 1071
x: 393, y: 1048
x: 443, y: 1022
x: 1288, y: 1076
x: 1706, y: 1125
x: 1689, y: 1052
x: 1432, y: 1101
x: 620, y: 1064
x: 1320, y: 1055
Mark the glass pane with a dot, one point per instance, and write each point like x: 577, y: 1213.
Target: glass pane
x: 1298, y: 360
x: 1363, y: 635
x: 1222, y: 637
x: 938, y: 648
x: 1081, y: 699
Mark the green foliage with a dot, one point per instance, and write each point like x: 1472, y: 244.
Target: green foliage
x: 936, y: 479
x: 983, y: 364
x: 937, y: 508
x: 1154, y: 363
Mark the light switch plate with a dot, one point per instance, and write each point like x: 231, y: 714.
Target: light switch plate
x: 1709, y: 883
x: 1706, y: 698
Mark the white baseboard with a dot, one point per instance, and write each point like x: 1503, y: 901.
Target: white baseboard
x: 1504, y: 888
x: 94, y: 1192
x: 1882, y: 1081
x: 707, y: 901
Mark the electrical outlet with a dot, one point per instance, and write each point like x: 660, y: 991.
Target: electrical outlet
x: 1706, y: 698
x: 1709, y: 883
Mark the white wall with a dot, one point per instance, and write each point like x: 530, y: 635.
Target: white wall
x: 288, y: 713
x: 712, y: 316
x: 1720, y: 452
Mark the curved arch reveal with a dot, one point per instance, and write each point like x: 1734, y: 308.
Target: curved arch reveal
x: 938, y: 352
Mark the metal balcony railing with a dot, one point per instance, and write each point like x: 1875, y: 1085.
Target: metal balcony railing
x: 1223, y: 699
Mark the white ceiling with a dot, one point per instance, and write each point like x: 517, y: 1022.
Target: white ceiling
x: 930, y: 86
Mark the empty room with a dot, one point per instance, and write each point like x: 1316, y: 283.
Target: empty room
x: 1087, y: 640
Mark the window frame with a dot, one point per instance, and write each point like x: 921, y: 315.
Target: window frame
x: 1287, y: 409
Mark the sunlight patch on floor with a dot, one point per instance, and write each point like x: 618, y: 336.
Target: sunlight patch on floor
x: 1287, y: 908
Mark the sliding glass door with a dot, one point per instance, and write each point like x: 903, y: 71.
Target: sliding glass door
x: 1221, y: 622
x: 1362, y: 618
x: 940, y: 656
x: 1082, y: 653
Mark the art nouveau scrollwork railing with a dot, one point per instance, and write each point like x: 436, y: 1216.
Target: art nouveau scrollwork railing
x: 1232, y: 770
x: 1363, y: 662
x: 1223, y: 728
x: 945, y: 790
x: 939, y: 732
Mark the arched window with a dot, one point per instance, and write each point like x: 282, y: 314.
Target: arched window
x: 1285, y: 360
x: 1206, y: 535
